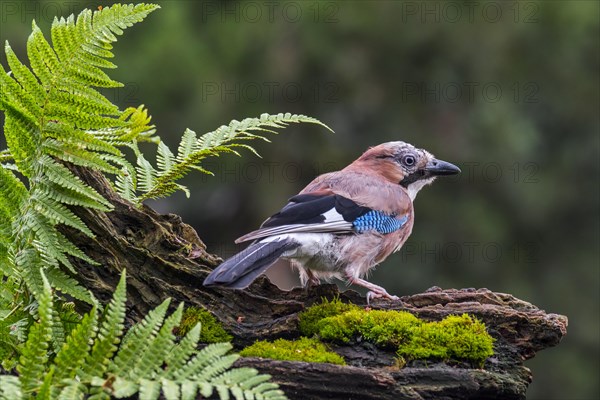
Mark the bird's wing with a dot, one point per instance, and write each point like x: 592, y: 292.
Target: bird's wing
x: 326, y: 212
x: 363, y: 188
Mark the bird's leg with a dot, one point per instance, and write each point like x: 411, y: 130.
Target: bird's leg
x: 307, y: 278
x: 375, y: 291
x: 312, y: 280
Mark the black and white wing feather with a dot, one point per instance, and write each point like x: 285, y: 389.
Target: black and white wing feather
x: 311, y: 213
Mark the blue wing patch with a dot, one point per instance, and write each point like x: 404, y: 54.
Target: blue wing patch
x: 379, y: 221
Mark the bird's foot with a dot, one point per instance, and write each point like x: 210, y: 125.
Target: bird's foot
x: 375, y: 291
x: 378, y: 295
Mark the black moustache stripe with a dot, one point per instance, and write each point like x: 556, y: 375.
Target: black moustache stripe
x: 415, y: 176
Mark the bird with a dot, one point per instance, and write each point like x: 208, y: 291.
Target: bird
x: 342, y: 224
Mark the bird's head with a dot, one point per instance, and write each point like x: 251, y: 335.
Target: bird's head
x: 404, y: 164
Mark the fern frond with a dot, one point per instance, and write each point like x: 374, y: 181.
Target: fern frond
x: 20, y: 132
x: 72, y: 355
x: 66, y: 284
x: 58, y: 332
x: 182, y: 352
x: 58, y: 213
x: 192, y: 151
x: 157, y: 349
x: 186, y: 146
x: 149, y: 389
x: 80, y: 138
x: 71, y: 197
x: 74, y: 390
x: 13, y: 195
x: 10, y: 387
x: 205, y: 358
x: 32, y: 92
x: 69, y: 318
x: 109, y: 334
x: 45, y: 390
x: 73, y: 154
x: 32, y: 278
x: 138, y: 338
x: 216, y: 368
x: 70, y: 249
x: 35, y: 353
x: 91, y: 364
x: 135, y: 128
x: 61, y: 176
x: 53, y: 114
x: 146, y: 174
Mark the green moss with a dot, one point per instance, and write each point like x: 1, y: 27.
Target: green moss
x: 211, y: 332
x: 303, y: 349
x: 455, y: 337
x: 309, y: 319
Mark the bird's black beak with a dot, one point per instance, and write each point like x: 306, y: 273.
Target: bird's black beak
x: 439, y: 167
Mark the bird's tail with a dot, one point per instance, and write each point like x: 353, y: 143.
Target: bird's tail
x: 239, y: 271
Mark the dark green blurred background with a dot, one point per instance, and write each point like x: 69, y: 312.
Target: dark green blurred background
x: 507, y: 90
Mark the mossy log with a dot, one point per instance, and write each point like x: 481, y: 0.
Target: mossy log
x: 164, y: 257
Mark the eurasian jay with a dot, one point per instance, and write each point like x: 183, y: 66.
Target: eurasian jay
x: 343, y: 223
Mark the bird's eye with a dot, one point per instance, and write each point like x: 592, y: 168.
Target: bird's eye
x: 409, y: 160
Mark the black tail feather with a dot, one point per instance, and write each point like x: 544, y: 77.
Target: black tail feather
x: 239, y: 271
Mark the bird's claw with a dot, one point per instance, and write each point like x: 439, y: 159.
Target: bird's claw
x: 377, y: 295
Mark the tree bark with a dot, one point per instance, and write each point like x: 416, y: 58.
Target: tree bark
x: 164, y: 257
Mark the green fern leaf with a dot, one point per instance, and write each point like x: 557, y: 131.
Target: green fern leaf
x: 186, y: 146
x: 79, y: 138
x: 151, y: 362
x: 61, y: 176
x: 73, y: 390
x: 33, y: 92
x: 32, y: 278
x: 216, y: 368
x: 109, y: 335
x: 206, y: 358
x: 58, y: 332
x: 53, y: 112
x: 149, y: 389
x: 138, y: 338
x: 165, y: 158
x: 69, y: 318
x: 71, y: 197
x: 74, y: 154
x: 171, y: 390
x: 192, y: 151
x: 45, y: 390
x: 123, y: 388
x: 69, y: 248
x: 146, y: 174
x: 182, y: 352
x: 66, y: 284
x: 58, y: 213
x: 35, y: 353
x: 10, y: 387
x: 72, y: 354
x: 189, y: 390
x: 13, y: 195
